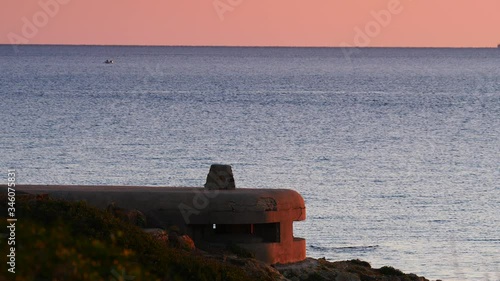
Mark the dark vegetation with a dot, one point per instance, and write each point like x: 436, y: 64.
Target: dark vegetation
x: 59, y: 240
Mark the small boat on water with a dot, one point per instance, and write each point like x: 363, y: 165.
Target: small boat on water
x: 108, y: 61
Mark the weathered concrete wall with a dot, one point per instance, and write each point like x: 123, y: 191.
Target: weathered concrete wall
x: 199, y: 208
x: 199, y: 205
x: 282, y: 253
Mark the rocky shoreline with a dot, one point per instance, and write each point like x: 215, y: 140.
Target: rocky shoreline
x: 312, y: 269
x: 321, y: 269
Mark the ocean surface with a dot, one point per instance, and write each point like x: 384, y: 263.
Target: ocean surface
x: 395, y: 151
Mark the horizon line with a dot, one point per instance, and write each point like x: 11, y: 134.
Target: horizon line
x: 253, y: 46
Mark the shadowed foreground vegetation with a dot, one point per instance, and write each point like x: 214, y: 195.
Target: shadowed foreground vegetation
x: 59, y: 240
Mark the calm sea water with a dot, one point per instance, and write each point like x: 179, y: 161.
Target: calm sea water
x: 395, y: 151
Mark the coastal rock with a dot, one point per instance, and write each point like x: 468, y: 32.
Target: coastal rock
x: 186, y: 242
x: 257, y: 269
x: 181, y: 241
x: 158, y: 233
x: 354, y: 270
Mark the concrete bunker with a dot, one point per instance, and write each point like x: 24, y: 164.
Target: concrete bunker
x: 258, y: 220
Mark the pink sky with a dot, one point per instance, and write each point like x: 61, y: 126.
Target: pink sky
x: 413, y: 23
